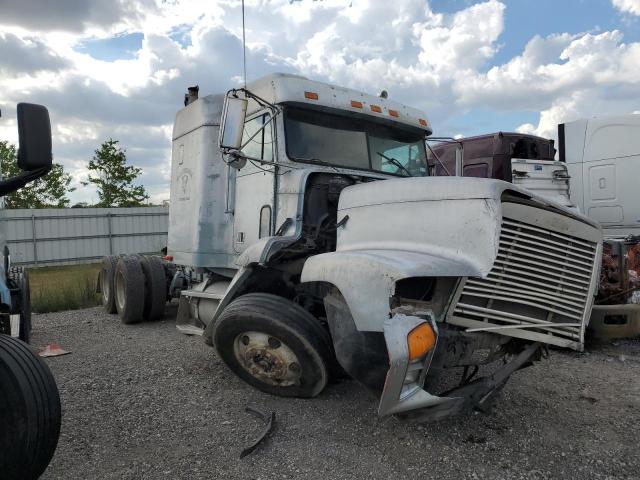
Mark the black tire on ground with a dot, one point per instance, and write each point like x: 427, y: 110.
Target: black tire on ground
x: 106, y: 278
x: 29, y: 412
x: 263, y: 363
x: 155, y: 287
x: 129, y: 289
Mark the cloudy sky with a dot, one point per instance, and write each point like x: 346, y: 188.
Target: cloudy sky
x: 120, y: 68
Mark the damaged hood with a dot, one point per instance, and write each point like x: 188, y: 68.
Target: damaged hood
x: 432, y: 189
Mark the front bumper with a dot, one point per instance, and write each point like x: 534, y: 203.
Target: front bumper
x: 403, y: 391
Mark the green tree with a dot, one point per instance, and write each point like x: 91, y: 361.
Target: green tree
x: 49, y: 191
x: 114, y: 178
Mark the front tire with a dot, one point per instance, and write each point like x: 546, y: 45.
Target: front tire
x: 30, y: 412
x: 274, y: 345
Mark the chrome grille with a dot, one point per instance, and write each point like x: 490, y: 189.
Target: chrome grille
x: 538, y: 288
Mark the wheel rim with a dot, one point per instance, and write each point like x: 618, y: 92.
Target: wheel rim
x: 105, y: 286
x: 120, y: 295
x: 267, y: 358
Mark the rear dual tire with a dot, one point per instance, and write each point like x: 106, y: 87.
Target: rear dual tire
x: 106, y: 278
x: 155, y: 288
x: 133, y: 286
x: 129, y: 289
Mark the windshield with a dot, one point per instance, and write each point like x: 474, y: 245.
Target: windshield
x: 354, y: 143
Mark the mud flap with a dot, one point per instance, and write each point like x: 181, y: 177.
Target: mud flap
x: 186, y: 323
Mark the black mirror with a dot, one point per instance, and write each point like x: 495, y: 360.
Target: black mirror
x: 34, y: 132
x: 34, y: 150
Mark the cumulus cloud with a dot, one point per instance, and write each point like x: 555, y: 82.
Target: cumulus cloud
x: 70, y: 15
x: 564, y: 76
x: 27, y: 55
x: 439, y: 62
x: 627, y: 6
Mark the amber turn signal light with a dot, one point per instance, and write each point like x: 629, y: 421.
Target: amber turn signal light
x: 420, y: 340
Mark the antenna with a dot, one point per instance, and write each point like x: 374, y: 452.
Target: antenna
x: 244, y: 49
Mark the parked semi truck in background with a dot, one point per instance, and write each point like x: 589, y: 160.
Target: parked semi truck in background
x: 300, y: 249
x: 596, y: 173
x: 30, y: 412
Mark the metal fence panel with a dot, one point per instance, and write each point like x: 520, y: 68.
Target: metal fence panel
x: 62, y: 236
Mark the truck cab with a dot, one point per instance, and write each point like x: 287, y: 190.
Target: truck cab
x: 308, y: 242
x: 603, y: 159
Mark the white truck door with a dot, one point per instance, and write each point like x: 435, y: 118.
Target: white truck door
x: 611, y: 172
x: 253, y: 206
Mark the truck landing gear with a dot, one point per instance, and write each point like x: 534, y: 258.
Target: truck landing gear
x: 29, y: 412
x: 274, y: 345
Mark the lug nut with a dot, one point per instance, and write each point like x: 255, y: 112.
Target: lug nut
x: 294, y: 367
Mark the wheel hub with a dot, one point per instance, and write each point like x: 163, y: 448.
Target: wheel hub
x: 267, y: 358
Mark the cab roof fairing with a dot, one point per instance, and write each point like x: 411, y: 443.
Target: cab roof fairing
x: 281, y: 88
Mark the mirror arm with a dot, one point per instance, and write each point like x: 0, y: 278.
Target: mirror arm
x: 249, y: 94
x: 264, y: 125
x: 12, y: 184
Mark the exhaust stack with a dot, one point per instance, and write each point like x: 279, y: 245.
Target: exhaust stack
x: 191, y: 95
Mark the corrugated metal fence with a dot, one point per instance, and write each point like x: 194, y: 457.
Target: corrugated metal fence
x: 61, y: 236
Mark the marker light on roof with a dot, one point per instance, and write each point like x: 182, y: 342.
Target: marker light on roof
x: 393, y: 113
x: 356, y: 104
x: 376, y: 108
x: 423, y: 122
x: 311, y: 95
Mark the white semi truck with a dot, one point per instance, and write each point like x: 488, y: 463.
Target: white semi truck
x: 306, y: 240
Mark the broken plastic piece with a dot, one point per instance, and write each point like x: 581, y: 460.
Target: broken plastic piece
x: 269, y: 419
x: 53, y: 350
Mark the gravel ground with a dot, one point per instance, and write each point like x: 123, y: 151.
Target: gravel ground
x: 143, y: 401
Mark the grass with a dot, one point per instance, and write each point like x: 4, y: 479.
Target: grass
x: 67, y: 287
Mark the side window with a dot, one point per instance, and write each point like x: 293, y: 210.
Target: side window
x: 261, y: 145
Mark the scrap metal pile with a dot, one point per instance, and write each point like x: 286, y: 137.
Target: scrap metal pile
x: 620, y: 274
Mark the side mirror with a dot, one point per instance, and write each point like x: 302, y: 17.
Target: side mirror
x: 234, y: 113
x: 34, y: 133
